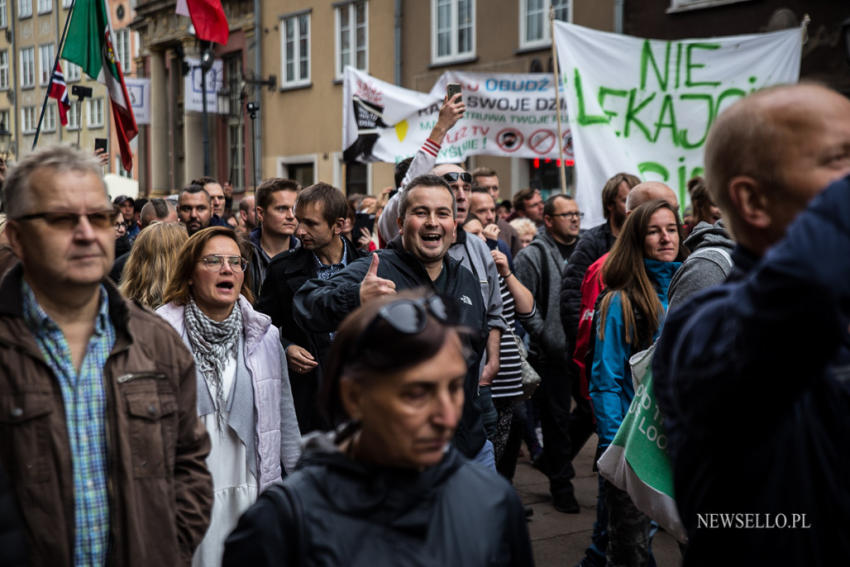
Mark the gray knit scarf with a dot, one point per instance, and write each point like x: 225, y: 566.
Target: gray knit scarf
x: 212, y: 343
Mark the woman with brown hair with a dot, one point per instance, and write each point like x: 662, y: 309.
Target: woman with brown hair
x: 629, y: 316
x: 151, y: 262
x: 388, y: 488
x: 244, y: 398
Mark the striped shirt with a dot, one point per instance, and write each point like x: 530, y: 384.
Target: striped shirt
x: 508, y: 382
x: 84, y: 399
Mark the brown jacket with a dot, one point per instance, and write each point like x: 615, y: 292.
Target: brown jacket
x: 160, y: 491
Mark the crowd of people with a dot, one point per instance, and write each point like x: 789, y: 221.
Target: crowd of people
x: 308, y: 378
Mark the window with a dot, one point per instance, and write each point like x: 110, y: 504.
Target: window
x: 27, y: 67
x: 534, y: 28
x: 122, y: 47
x: 28, y: 119
x: 452, y: 30
x: 45, y: 62
x: 24, y: 8
x: 94, y: 118
x: 299, y: 168
x: 119, y: 168
x: 73, y: 116
x: 72, y: 71
x: 49, y: 124
x: 3, y: 21
x: 45, y: 6
x: 295, y: 50
x: 356, y: 178
x: 4, y: 119
x: 67, y: 3
x: 4, y: 69
x: 352, y: 37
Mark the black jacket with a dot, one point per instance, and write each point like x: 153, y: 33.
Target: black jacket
x: 592, y: 245
x: 336, y: 511
x: 286, y: 273
x: 321, y: 305
x: 12, y: 533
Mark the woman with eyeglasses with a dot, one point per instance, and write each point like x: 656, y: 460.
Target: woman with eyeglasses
x: 629, y: 317
x: 244, y: 396
x: 387, y: 487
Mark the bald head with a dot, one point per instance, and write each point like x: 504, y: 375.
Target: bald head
x: 649, y: 191
x: 768, y: 154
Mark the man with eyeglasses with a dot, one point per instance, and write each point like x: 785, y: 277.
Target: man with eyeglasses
x: 99, y: 426
x: 540, y: 266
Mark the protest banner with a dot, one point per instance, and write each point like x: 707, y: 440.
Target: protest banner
x: 510, y: 115
x: 193, y: 93
x: 140, y: 98
x: 645, y: 106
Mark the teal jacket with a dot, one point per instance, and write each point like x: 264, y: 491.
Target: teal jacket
x: 611, y: 388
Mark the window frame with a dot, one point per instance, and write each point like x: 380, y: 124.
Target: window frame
x: 23, y: 52
x: 4, y: 14
x: 46, y: 70
x: 73, y: 116
x: 22, y: 14
x: 119, y: 49
x: 299, y: 81
x: 4, y: 70
x: 32, y: 122
x: 546, y: 40
x: 454, y: 56
x: 46, y: 9
x: 49, y: 122
x: 352, y: 33
x: 66, y: 71
x: 89, y: 122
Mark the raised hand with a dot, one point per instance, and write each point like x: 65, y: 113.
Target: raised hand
x: 372, y: 286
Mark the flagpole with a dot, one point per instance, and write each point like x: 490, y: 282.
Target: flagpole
x: 563, y: 167
x: 53, y: 71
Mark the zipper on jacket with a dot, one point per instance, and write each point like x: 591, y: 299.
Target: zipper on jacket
x: 124, y: 378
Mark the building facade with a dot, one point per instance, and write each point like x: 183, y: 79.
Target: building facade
x: 29, y: 39
x: 173, y: 148
x: 406, y: 42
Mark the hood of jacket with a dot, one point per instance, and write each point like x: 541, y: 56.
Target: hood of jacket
x: 706, y: 234
x: 396, y: 495
x: 661, y: 273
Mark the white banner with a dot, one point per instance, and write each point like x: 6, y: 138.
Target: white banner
x: 510, y: 115
x: 192, y: 88
x: 140, y: 98
x: 645, y: 106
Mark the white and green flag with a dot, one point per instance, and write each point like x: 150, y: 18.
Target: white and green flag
x: 644, y: 106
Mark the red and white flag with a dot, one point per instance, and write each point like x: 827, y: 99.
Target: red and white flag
x: 207, y: 17
x: 59, y: 91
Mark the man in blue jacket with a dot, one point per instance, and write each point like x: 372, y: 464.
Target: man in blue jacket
x: 752, y: 375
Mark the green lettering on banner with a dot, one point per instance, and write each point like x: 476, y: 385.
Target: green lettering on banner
x: 683, y: 134
x: 653, y: 167
x: 690, y: 65
x: 647, y: 57
x: 631, y: 115
x: 583, y: 118
x: 605, y: 91
x: 666, y: 108
x: 725, y: 94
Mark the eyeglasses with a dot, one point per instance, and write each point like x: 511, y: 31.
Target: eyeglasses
x: 216, y: 261
x: 69, y: 221
x: 453, y: 176
x: 570, y: 215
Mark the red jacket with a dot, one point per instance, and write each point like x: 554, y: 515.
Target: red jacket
x: 591, y: 287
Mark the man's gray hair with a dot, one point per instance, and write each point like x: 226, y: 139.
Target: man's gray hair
x: 59, y: 159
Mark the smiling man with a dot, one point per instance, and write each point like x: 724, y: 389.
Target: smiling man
x: 417, y: 258
x: 100, y: 432
x: 320, y: 210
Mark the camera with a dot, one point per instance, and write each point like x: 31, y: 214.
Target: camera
x: 252, y: 107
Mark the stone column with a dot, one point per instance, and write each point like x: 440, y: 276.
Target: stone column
x: 158, y: 149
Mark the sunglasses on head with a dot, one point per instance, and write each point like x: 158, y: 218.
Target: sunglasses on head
x: 453, y: 176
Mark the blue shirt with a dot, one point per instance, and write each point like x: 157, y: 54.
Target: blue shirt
x: 326, y: 271
x: 84, y: 398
